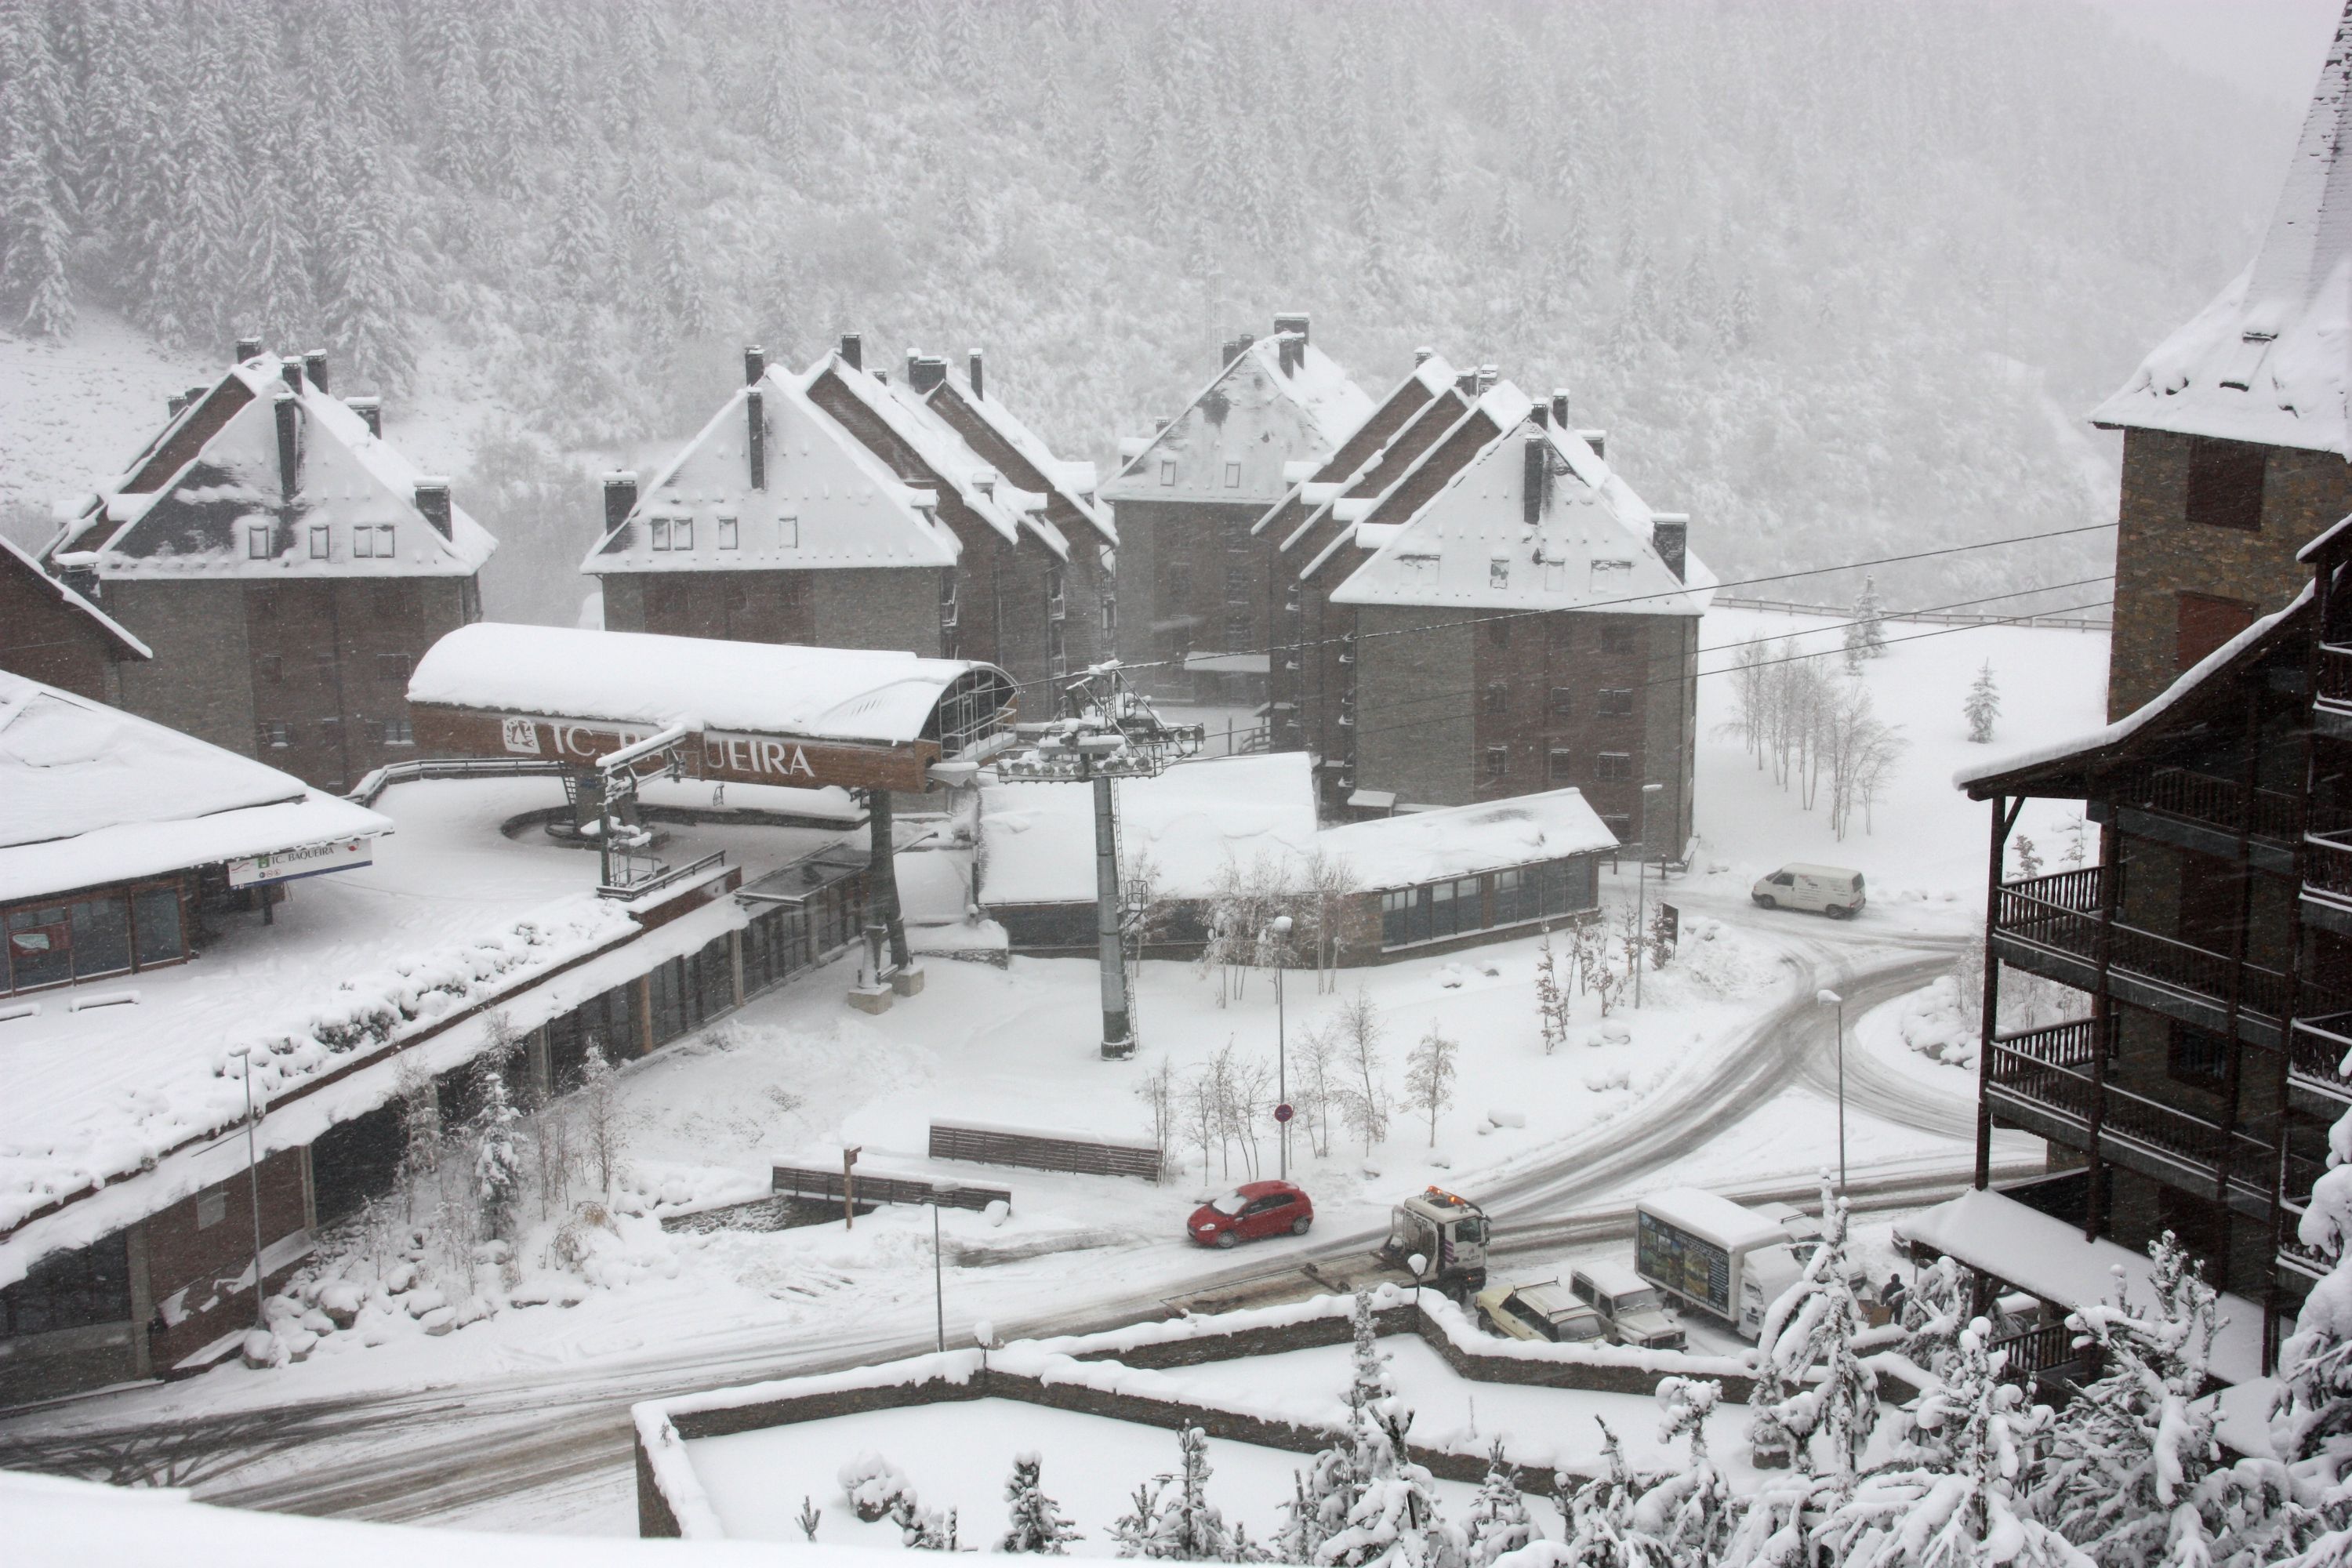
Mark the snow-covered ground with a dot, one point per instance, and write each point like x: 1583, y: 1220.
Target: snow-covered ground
x: 73, y: 412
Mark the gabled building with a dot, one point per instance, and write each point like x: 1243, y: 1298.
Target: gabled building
x: 284, y: 565
x: 2235, y: 437
x: 1195, y: 605
x: 53, y: 634
x: 835, y: 507
x: 1504, y: 617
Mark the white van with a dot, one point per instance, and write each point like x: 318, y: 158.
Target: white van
x: 1832, y: 889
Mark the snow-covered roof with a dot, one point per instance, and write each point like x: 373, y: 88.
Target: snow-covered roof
x: 1465, y: 841
x: 1037, y: 841
x: 1018, y: 452
x: 14, y: 559
x: 1315, y: 485
x: 986, y: 493
x: 89, y: 796
x: 210, y: 496
x: 2139, y: 718
x: 1445, y: 433
x: 1469, y: 546
x: 1258, y: 414
x: 827, y: 503
x: 2267, y: 361
x: 2048, y: 1259
x: 639, y: 678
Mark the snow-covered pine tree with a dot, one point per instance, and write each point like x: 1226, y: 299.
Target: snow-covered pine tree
x: 1132, y: 1529
x: 1982, y: 706
x: 2311, y: 1428
x: 1870, y: 611
x: 1692, y: 1510
x: 1035, y: 1522
x: 603, y: 1124
x: 1954, y: 1499
x: 810, y: 1517
x: 1187, y: 1526
x: 1934, y: 1310
x: 498, y: 1156
x: 1605, y: 1528
x: 2028, y: 858
x: 420, y: 1131
x: 1813, y: 1327
x: 1498, y: 1521
x: 1395, y: 1522
x: 1551, y: 1003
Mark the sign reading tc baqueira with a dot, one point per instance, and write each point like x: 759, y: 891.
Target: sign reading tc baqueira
x: 717, y: 755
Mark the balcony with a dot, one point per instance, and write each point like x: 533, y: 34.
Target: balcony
x: 2317, y: 1048
x: 2334, y: 680
x: 2295, y: 1197
x: 2050, y: 925
x: 2043, y: 1080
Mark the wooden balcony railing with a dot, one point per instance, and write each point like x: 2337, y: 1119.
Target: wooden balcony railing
x: 2317, y: 1048
x: 2044, y: 1351
x: 2212, y: 799
x: 2335, y: 675
x: 2295, y: 1197
x: 2069, y: 1091
x: 2072, y: 1044
x: 2053, y: 912
x: 2327, y: 862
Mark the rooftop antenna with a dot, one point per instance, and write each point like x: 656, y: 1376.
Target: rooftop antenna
x: 1108, y: 731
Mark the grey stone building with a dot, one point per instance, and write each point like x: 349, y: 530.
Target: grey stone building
x: 286, y: 565
x: 1195, y: 606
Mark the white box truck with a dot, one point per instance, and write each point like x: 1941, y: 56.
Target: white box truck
x: 1709, y: 1253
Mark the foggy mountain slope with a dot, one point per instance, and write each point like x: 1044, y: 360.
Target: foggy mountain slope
x: 1838, y: 280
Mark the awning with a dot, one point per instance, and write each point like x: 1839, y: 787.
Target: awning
x: 804, y: 879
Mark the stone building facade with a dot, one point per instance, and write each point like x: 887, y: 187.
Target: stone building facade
x: 286, y: 565
x: 53, y: 634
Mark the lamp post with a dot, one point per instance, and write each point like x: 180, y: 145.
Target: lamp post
x: 1641, y: 891
x: 1831, y: 999
x: 939, y: 1192
x: 1281, y: 929
x: 253, y: 1188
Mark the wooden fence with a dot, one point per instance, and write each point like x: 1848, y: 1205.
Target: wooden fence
x: 1036, y: 1150
x: 810, y: 1182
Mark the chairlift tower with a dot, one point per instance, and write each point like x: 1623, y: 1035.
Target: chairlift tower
x: 1108, y: 731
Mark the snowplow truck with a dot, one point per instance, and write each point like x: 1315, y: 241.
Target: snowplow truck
x: 1448, y: 1232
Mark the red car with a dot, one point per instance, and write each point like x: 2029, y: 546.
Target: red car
x: 1251, y: 1212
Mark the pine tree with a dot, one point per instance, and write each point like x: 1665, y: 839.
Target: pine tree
x: 368, y: 293
x: 2028, y: 858
x: 1982, y: 706
x: 2311, y: 1426
x: 1133, y: 1528
x: 1498, y: 1519
x: 1812, y: 1326
x: 1552, y: 1002
x: 1692, y: 1510
x: 1036, y: 1522
x: 1187, y: 1526
x: 420, y: 1130
x: 1395, y: 1521
x: 1605, y: 1528
x: 498, y: 1154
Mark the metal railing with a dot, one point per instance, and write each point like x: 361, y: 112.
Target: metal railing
x: 666, y: 877
x: 384, y: 778
x: 2327, y: 862
x: 2317, y: 1048
x: 2072, y: 1044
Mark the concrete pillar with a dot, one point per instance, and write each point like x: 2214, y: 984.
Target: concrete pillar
x: 142, y: 1301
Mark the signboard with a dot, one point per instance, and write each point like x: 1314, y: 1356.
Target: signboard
x: 716, y: 756
x: 303, y: 860
x: 1283, y: 1112
x: 1670, y: 920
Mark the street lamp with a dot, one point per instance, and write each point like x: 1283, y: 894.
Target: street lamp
x: 1416, y: 1263
x: 941, y: 1192
x: 1641, y: 891
x: 253, y: 1184
x: 1281, y: 929
x: 1831, y: 999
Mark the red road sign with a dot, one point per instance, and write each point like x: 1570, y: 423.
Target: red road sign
x: 1282, y: 1113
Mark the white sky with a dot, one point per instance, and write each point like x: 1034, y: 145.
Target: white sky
x: 2269, y: 47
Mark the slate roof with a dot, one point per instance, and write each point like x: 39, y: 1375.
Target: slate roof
x: 1236, y: 439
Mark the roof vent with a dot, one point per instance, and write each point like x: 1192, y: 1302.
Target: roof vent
x: 290, y: 369
x: 176, y: 402
x: 1598, y: 440
x: 433, y: 501
x: 1420, y: 356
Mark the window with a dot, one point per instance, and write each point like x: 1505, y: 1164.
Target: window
x: 394, y: 668
x: 661, y: 533
x: 681, y: 534
x: 1558, y: 767
x: 1057, y: 604
x: 788, y: 532
x: 1498, y: 572
x: 74, y: 1289
x: 275, y: 735
x: 1456, y: 907
x: 1167, y: 471
x: 1562, y: 702
x: 1404, y: 916
x: 2203, y: 623
x: 1559, y: 631
x: 1613, y: 767
x: 1514, y: 897
x: 1240, y: 632
x: 1237, y: 582
x: 1109, y: 614
x: 101, y: 935
x: 1563, y: 886
x: 398, y: 733
x: 2198, y: 1056
x: 1056, y: 650
x: 363, y: 542
x: 383, y: 550
x: 727, y: 534
x: 160, y: 937
x: 256, y: 541
x: 1614, y: 702
x: 318, y: 542
x: 212, y: 1207
x: 1232, y: 476
x: 2225, y: 484
x: 1619, y: 824
x: 1498, y: 631
x: 1495, y: 700
x: 270, y: 668
x: 1619, y: 637
x: 1497, y: 760
x: 40, y: 947
x: 947, y: 598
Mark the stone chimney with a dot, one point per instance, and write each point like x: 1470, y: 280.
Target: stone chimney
x: 1466, y: 384
x: 314, y: 365
x: 1535, y: 477
x: 1422, y: 355
x: 371, y: 413
x: 1540, y: 415
x: 853, y: 351
x: 973, y: 364
x: 290, y: 370
x: 289, y: 437
x: 1559, y: 406
x: 1598, y: 440
x: 620, y: 498
x: 755, y: 364
x: 176, y: 402
x: 433, y: 501
x: 247, y: 348
x: 1670, y: 537
x: 925, y: 372
x: 755, y: 435
x: 1228, y: 352
x: 1292, y: 330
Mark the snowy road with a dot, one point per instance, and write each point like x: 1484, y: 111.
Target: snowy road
x: 423, y: 1455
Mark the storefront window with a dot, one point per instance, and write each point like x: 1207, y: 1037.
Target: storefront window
x: 40, y: 947
x: 155, y: 919
x: 101, y: 935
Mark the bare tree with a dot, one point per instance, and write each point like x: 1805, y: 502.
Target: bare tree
x: 1158, y: 1092
x: 1318, y: 1066
x: 1429, y: 1076
x: 420, y: 1130
x: 604, y: 1121
x: 1360, y: 1029
x: 1326, y: 881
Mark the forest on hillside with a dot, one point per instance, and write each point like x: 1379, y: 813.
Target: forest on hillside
x: 1838, y: 278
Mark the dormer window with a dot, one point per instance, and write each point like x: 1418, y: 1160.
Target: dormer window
x: 788, y: 532
x: 1232, y: 476
x: 1167, y: 471
x: 948, y: 598
x: 1055, y: 606
x: 681, y: 534
x: 727, y: 534
x: 318, y: 542
x: 256, y: 541
x: 1498, y: 572
x: 661, y: 533
x: 371, y: 543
